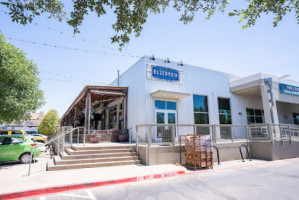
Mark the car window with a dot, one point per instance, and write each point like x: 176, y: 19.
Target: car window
x: 6, y: 141
x: 16, y: 133
x: 1, y: 140
x: 3, y: 132
x: 31, y: 132
x: 16, y: 140
x: 36, y: 135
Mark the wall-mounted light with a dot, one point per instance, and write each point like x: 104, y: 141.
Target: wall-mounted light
x: 240, y: 113
x: 180, y: 63
x: 167, y: 60
x: 152, y: 57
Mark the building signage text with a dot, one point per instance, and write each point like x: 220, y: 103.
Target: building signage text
x: 288, y: 89
x: 164, y: 73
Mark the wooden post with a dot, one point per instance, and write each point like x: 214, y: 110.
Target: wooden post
x: 75, y: 116
x: 125, y: 112
x: 87, y: 113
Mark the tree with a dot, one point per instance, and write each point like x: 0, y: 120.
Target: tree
x: 19, y: 84
x: 49, y: 123
x: 132, y: 14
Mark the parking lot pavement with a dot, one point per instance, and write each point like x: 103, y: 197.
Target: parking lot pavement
x: 260, y: 180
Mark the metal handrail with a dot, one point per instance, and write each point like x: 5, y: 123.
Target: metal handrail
x: 58, y: 136
x: 63, y: 134
x: 248, y: 154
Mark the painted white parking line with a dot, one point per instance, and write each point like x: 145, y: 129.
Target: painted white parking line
x: 74, y: 195
x: 90, y: 194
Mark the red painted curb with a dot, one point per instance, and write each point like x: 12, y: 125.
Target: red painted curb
x: 51, y: 190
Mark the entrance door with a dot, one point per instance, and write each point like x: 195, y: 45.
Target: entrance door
x: 165, y: 113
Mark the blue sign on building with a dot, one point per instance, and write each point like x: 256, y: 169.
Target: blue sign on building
x: 165, y: 74
x: 288, y: 89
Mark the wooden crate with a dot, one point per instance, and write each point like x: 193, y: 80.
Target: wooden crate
x: 198, y: 152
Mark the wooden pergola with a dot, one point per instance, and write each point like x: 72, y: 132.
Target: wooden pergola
x: 94, y: 96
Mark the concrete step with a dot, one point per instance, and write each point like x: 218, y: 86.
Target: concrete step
x: 52, y: 167
x: 101, y: 155
x: 77, y: 148
x: 83, y: 152
x: 58, y: 161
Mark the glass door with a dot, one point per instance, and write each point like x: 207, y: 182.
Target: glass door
x: 165, y: 113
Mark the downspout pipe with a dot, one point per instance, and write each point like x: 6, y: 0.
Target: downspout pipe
x: 118, y: 78
x: 269, y: 82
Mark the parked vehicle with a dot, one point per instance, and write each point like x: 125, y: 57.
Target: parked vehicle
x: 17, y: 147
x: 39, y: 138
x: 31, y: 132
x: 12, y: 132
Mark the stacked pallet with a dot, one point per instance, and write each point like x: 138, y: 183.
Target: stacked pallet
x: 198, y: 152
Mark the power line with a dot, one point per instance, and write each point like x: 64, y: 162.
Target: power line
x: 77, y: 79
x: 68, y: 48
x: 79, y: 38
x: 70, y: 81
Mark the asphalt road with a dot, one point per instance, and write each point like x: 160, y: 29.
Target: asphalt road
x: 272, y: 180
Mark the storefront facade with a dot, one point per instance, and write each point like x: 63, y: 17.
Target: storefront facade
x: 165, y: 92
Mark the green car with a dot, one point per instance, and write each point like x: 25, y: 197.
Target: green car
x: 17, y: 147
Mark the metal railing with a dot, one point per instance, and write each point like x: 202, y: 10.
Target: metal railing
x: 168, y: 134
x: 274, y: 132
x: 66, y: 136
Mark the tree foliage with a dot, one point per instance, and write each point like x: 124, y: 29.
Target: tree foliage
x: 132, y: 14
x: 19, y: 84
x: 49, y: 123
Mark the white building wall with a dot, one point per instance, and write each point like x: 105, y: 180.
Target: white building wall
x: 285, y: 112
x: 240, y: 103
x: 133, y: 78
x: 196, y: 80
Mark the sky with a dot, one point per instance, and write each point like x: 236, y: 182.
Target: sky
x: 219, y: 44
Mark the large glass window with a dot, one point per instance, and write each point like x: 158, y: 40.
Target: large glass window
x: 224, y: 111
x: 160, y: 104
x: 168, y: 105
x: 225, y: 117
x: 160, y: 118
x: 200, y: 107
x: 296, y: 118
x: 255, y: 116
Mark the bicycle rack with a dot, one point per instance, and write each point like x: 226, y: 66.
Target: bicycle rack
x: 217, y: 154
x: 248, y: 154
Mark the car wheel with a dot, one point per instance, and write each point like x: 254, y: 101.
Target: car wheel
x: 25, y: 158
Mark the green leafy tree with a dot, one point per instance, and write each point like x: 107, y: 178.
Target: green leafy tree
x: 49, y: 123
x: 19, y: 84
x: 132, y: 14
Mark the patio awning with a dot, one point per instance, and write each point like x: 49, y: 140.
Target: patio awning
x: 169, y: 94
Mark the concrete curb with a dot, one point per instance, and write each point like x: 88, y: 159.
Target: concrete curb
x: 58, y: 189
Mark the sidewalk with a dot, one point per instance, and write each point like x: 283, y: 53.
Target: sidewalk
x: 14, y: 177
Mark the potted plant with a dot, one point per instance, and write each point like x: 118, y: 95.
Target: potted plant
x: 94, y: 137
x: 124, y: 136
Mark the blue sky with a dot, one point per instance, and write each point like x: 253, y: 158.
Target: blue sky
x: 219, y: 44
